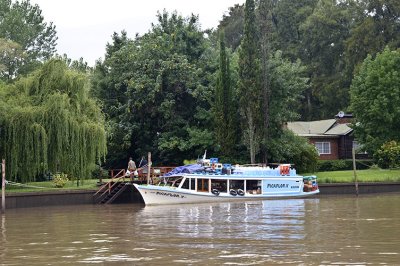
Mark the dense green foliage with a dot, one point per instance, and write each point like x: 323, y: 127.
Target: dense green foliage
x: 331, y: 38
x: 179, y: 90
x: 48, y: 123
x: 224, y: 106
x: 157, y: 90
x: 388, y: 156
x: 375, y: 100
x: 289, y: 148
x: 25, y: 36
x: 249, y: 82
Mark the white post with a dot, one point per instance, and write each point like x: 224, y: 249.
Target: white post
x: 148, y: 167
x: 3, y: 186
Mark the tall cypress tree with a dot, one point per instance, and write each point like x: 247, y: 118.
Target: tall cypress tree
x: 223, y: 104
x: 265, y: 17
x: 249, y: 85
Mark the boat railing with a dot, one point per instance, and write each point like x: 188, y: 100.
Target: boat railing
x: 253, y: 165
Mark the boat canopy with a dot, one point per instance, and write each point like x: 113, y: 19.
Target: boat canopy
x: 185, y: 169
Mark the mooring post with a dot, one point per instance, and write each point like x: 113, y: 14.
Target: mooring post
x: 354, y: 170
x: 148, y: 167
x: 3, y: 186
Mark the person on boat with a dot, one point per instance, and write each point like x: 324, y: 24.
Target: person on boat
x: 132, y: 169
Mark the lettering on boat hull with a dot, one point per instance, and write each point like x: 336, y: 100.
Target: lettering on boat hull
x: 277, y: 185
x: 169, y: 194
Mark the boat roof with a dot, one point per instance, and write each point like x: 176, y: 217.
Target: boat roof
x: 233, y: 173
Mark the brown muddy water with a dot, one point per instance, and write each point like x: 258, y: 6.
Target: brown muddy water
x: 320, y: 231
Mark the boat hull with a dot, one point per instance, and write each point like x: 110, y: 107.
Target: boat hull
x: 158, y: 195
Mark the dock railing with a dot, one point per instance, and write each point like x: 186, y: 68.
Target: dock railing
x: 111, y: 184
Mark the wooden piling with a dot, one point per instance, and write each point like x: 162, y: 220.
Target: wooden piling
x: 148, y: 167
x: 3, y: 186
x: 355, y: 170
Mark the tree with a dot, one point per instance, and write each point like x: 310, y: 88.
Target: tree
x: 293, y: 149
x: 249, y: 81
x: 169, y: 92
x: 23, y: 23
x: 224, y: 105
x: 157, y: 91
x: 287, y: 17
x: 287, y: 82
x: 49, y: 122
x: 109, y: 82
x: 375, y: 100
x: 232, y: 25
x: 265, y: 24
x: 377, y: 26
x: 324, y: 33
x: 11, y: 56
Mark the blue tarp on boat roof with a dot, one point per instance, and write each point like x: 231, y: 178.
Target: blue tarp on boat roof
x: 185, y: 169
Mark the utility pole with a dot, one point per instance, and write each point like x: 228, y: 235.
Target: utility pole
x: 354, y: 170
x: 3, y: 186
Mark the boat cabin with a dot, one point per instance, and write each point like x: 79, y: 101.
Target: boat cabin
x: 235, y: 185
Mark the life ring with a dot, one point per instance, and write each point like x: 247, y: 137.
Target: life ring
x: 240, y: 192
x: 284, y: 169
x: 215, y: 191
x: 233, y: 192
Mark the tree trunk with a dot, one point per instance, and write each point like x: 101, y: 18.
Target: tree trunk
x: 251, y: 135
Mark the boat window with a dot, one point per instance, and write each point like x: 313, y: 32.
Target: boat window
x: 253, y: 186
x: 202, y: 184
x: 192, y: 183
x: 236, y: 184
x: 185, y: 184
x: 176, y: 182
x: 220, y: 185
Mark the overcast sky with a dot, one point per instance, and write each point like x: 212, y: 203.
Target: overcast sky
x: 85, y: 26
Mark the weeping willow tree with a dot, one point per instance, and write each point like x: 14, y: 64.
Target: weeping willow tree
x: 49, y: 123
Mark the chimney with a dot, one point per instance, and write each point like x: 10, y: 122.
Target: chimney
x: 343, y: 118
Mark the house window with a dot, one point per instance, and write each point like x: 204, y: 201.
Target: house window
x: 323, y: 147
x: 358, y: 148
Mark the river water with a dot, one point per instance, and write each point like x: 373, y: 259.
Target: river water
x: 319, y: 231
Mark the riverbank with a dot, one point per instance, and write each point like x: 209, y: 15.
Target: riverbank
x: 131, y: 195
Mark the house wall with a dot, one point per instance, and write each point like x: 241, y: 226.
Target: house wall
x: 334, y: 155
x: 345, y: 147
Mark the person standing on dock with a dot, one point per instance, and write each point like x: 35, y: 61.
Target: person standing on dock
x: 132, y: 168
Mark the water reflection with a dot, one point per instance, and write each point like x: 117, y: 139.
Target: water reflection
x: 258, y: 220
x: 325, y: 231
x: 3, y: 240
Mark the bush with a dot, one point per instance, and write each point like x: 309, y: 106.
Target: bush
x: 296, y: 150
x: 60, y: 180
x: 388, y: 156
x: 339, y: 165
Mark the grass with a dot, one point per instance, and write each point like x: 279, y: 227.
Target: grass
x: 370, y: 175
x: 47, y: 186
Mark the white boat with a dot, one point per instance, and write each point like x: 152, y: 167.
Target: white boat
x: 210, y: 181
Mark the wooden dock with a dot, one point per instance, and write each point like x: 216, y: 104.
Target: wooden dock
x: 109, y: 191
